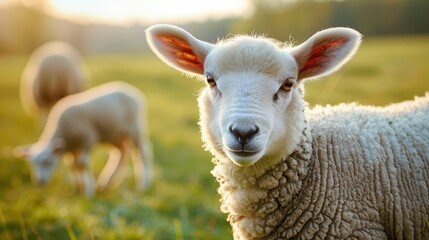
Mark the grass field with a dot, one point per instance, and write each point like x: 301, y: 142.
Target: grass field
x: 182, y: 202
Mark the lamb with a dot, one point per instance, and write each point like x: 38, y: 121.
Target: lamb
x: 287, y: 171
x: 54, y: 71
x: 111, y: 113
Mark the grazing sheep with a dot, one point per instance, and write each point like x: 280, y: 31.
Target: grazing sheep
x: 54, y: 71
x: 110, y: 113
x: 286, y: 171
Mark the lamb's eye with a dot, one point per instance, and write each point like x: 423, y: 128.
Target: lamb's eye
x: 211, y: 80
x: 287, y: 85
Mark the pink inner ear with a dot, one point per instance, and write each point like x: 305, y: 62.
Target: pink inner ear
x: 181, y: 52
x: 321, y: 54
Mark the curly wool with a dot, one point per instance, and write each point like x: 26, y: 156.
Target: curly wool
x: 265, y: 196
x: 360, y: 172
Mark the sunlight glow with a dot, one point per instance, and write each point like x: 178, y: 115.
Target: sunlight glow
x: 148, y: 11
x: 6, y: 2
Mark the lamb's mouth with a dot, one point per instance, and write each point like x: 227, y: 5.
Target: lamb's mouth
x: 243, y: 157
x: 244, y: 154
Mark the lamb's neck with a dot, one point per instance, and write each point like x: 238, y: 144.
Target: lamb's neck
x: 257, y: 200
x: 53, y: 130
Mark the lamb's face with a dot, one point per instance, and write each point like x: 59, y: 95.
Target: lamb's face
x: 42, y: 158
x: 251, y: 83
x: 43, y: 162
x: 252, y: 108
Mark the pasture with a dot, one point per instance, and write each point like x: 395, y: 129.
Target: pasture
x: 182, y: 202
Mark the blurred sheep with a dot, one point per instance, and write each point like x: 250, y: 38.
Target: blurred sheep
x: 111, y: 113
x: 53, y: 71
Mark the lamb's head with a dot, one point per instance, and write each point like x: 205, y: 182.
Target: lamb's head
x: 252, y: 108
x: 42, y: 157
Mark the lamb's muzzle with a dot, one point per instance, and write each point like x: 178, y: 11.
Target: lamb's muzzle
x: 242, y: 140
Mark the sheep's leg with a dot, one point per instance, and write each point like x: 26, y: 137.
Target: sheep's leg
x: 77, y: 179
x: 116, y: 157
x: 142, y: 162
x: 84, y: 176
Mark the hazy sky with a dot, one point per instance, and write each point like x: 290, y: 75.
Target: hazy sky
x: 150, y: 11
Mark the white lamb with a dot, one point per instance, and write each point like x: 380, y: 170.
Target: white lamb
x: 54, y: 71
x: 111, y: 113
x: 286, y: 171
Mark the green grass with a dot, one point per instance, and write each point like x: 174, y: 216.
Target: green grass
x: 182, y: 202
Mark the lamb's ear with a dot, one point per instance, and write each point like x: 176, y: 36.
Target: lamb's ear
x: 178, y: 48
x: 325, y: 52
x: 21, y: 151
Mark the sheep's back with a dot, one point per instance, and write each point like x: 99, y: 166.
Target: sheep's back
x: 58, y: 76
x: 376, y: 166
x: 53, y: 71
x: 105, y: 113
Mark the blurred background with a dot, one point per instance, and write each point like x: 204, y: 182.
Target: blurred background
x: 392, y: 65
x: 111, y: 26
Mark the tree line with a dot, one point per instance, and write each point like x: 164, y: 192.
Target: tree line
x: 301, y: 18
x: 24, y: 28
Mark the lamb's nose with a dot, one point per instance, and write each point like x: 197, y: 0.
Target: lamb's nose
x: 243, y: 135
x: 40, y: 182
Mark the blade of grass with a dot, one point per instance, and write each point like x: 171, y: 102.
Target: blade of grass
x: 70, y: 232
x: 178, y: 229
x: 23, y: 231
x: 34, y: 230
x: 3, y: 221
